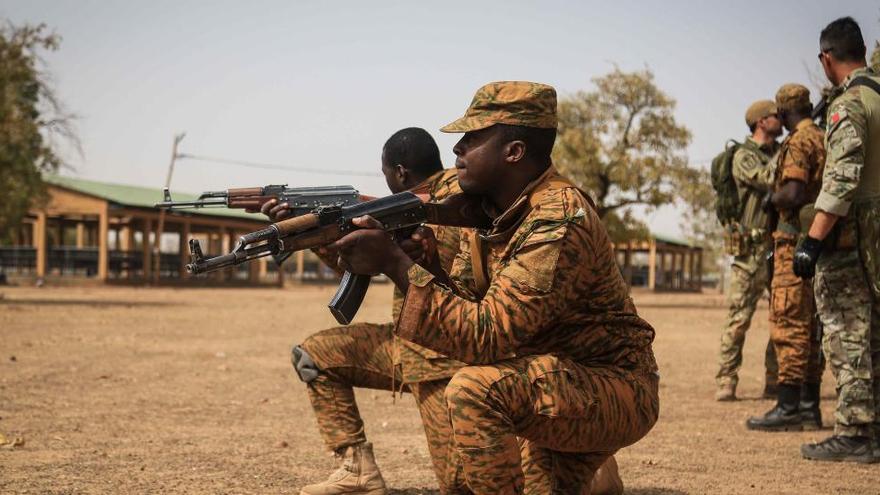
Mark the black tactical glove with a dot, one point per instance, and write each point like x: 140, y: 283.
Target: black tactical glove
x: 805, y: 257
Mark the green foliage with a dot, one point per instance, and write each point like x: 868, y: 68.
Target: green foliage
x: 30, y: 117
x: 621, y: 143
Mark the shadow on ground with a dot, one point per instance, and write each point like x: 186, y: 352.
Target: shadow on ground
x: 413, y: 491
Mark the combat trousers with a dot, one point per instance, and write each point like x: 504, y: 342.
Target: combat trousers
x: 793, y: 325
x: 363, y: 355
x: 748, y: 282
x: 568, y: 417
x: 848, y: 298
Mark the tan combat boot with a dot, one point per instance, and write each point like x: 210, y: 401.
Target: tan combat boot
x: 726, y: 392
x: 607, y: 480
x: 358, y: 475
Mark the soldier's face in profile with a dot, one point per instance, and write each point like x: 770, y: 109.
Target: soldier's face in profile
x: 772, y: 125
x: 478, y: 158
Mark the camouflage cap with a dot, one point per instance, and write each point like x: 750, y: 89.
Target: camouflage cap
x: 793, y: 96
x: 758, y: 110
x: 522, y: 103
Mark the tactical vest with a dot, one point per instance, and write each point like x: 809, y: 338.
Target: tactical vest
x: 869, y: 184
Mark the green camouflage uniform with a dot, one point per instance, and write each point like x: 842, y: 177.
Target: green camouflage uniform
x: 847, y: 281
x: 753, y: 173
x: 368, y: 355
x: 558, y: 354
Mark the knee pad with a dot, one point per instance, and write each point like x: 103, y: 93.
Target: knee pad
x: 303, y: 364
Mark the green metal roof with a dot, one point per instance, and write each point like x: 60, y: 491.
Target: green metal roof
x: 671, y: 240
x: 142, y: 197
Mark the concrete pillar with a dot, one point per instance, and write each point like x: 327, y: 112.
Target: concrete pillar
x: 652, y: 264
x: 103, y: 249
x: 80, y: 234
x: 184, y: 248
x: 40, y: 243
x: 300, y: 265
x: 147, y: 247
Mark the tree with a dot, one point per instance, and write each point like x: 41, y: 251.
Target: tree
x: 31, y: 121
x: 621, y: 143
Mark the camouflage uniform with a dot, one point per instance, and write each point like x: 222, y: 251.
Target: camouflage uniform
x: 753, y: 173
x: 847, y: 281
x: 539, y: 309
x: 368, y: 355
x: 793, y: 326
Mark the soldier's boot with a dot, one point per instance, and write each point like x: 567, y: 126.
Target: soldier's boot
x: 784, y: 416
x: 841, y: 449
x: 726, y: 392
x: 607, y: 480
x: 358, y: 475
x: 811, y: 415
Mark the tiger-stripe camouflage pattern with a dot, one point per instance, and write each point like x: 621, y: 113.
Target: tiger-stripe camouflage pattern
x: 793, y: 324
x: 556, y: 328
x: 368, y: 355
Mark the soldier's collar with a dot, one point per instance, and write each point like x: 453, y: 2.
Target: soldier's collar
x: 805, y: 122
x: 427, y: 185
x: 504, y: 224
x: 861, y: 71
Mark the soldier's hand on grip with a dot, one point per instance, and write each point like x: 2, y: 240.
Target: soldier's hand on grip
x: 276, y: 212
x: 805, y: 257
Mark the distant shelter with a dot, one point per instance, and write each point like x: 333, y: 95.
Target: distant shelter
x: 661, y: 263
x: 95, y: 231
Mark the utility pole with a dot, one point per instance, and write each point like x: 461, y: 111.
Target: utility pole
x: 160, y: 229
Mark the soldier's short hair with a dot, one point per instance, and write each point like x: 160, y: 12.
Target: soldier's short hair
x: 414, y: 149
x: 843, y: 39
x: 539, y: 141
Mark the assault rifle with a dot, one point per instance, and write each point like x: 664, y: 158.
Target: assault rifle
x: 301, y: 199
x: 399, y: 214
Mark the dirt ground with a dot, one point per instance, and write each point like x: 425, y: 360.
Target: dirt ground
x: 125, y: 390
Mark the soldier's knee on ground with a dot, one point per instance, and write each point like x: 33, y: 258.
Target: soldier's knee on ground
x: 303, y: 364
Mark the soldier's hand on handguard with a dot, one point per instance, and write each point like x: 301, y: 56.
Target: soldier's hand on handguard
x: 805, y: 257
x: 371, y: 250
x: 276, y: 212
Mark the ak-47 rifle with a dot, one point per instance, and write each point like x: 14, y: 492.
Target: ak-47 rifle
x: 301, y: 199
x: 398, y: 213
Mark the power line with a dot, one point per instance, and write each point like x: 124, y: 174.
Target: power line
x: 274, y: 166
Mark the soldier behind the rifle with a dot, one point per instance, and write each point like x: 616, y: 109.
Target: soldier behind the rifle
x: 569, y: 381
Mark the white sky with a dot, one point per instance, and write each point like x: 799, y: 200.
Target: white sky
x: 323, y: 84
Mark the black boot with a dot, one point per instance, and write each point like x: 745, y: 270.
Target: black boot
x: 811, y: 416
x: 838, y: 448
x: 784, y: 416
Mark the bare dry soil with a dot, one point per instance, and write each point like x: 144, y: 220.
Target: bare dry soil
x: 127, y: 390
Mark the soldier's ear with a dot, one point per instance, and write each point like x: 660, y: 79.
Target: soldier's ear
x: 514, y: 151
x: 401, y: 172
